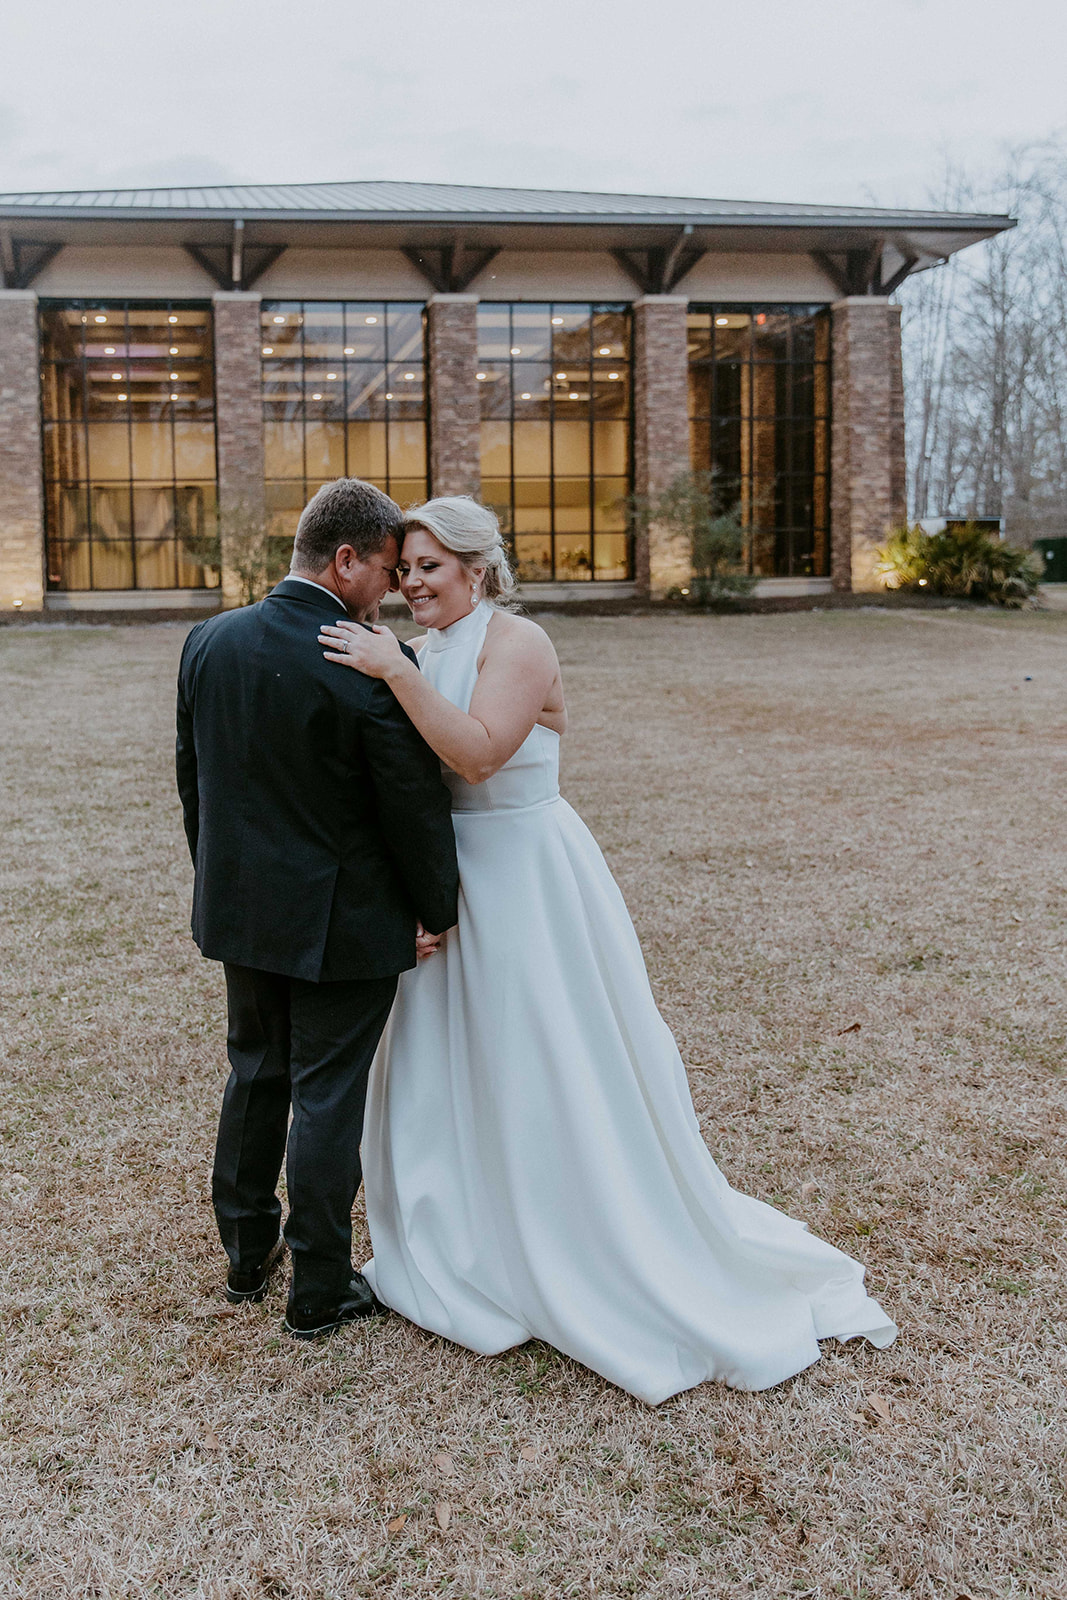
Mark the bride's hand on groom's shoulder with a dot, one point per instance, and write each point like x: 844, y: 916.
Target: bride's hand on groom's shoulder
x: 375, y: 652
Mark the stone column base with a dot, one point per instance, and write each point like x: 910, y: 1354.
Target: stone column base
x: 22, y: 554
x: 455, y: 416
x: 867, y: 445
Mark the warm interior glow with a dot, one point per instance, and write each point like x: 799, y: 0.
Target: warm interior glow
x: 722, y: 322
x: 572, y: 396
x: 613, y: 374
x: 277, y: 319
x: 481, y: 377
x: 172, y: 319
x: 562, y: 376
x: 116, y: 377
x: 174, y: 349
x: 316, y: 397
x: 174, y: 377
x: 388, y: 397
x: 268, y: 350
x: 527, y: 397
x: 605, y: 349
x: 109, y: 349
x: 99, y: 319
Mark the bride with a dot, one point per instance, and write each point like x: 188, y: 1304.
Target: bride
x: 532, y: 1161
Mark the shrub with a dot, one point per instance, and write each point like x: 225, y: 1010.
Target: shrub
x: 241, y: 537
x: 965, y: 562
x: 715, y: 537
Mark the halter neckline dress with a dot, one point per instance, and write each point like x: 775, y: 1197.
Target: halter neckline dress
x: 533, y: 1164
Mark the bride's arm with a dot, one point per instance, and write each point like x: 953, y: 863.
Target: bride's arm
x: 518, y: 671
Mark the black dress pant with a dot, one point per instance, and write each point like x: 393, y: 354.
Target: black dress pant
x: 307, y: 1046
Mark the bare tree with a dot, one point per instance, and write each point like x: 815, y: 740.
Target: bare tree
x: 985, y: 350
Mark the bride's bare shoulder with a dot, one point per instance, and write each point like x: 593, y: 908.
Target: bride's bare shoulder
x: 519, y: 636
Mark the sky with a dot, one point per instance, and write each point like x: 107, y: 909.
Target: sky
x: 822, y: 101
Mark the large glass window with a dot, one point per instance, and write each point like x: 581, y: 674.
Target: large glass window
x: 344, y: 395
x: 555, y: 435
x: 759, y: 410
x: 128, y: 409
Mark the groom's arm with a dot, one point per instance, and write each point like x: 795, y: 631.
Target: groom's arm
x: 185, y: 759
x: 414, y: 808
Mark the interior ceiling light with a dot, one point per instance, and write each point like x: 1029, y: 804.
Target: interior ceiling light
x: 277, y: 319
x: 116, y: 377
x: 349, y: 350
x: 573, y: 396
x: 613, y: 374
x: 123, y: 397
x: 174, y: 377
x: 330, y: 376
x: 481, y: 376
x: 370, y: 321
x: 516, y: 350
x: 174, y: 397
x: 174, y: 349
x: 557, y: 322
x: 388, y: 397
x: 268, y: 350
x: 605, y: 349
x: 562, y: 376
x: 408, y: 376
x: 527, y: 397
x: 316, y: 397
x: 722, y: 322
x: 99, y: 319
x: 172, y: 320
x: 109, y: 349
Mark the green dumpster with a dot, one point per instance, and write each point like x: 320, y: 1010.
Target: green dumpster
x: 1053, y: 553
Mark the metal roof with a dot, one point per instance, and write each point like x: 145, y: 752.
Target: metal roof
x: 412, y: 202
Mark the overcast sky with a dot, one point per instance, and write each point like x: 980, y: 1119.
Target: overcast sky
x: 832, y: 101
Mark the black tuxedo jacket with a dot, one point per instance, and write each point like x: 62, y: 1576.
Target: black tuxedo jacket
x: 317, y: 819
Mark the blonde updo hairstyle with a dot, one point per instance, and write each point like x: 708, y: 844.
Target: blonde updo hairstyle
x: 471, y: 532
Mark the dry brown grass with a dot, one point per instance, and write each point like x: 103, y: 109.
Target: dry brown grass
x: 819, y: 821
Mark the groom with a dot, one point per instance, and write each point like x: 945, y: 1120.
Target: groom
x: 321, y: 836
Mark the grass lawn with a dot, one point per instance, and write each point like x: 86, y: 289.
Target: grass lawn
x: 842, y: 839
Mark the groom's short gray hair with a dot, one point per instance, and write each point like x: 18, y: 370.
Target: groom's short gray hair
x: 346, y: 511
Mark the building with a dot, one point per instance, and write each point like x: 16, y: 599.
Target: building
x: 167, y: 351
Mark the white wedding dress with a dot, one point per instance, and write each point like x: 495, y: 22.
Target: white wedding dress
x: 532, y: 1160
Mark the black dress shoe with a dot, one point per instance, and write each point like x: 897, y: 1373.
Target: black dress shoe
x: 312, y: 1321
x: 252, y: 1285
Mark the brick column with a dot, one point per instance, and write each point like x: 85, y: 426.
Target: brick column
x: 238, y: 417
x: 867, y: 445
x: 455, y: 419
x: 661, y: 431
x: 21, y: 493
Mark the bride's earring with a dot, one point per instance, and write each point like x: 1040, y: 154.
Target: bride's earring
x: 474, y: 598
